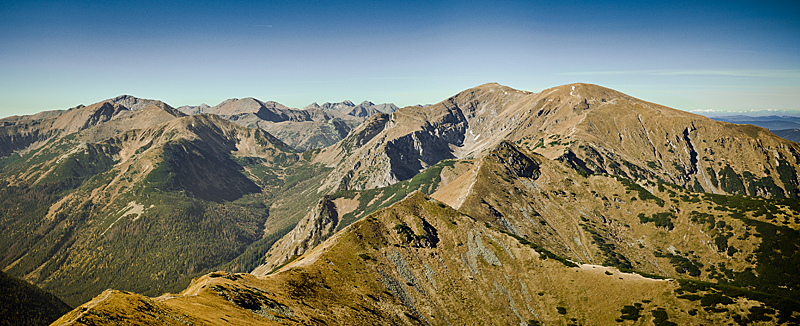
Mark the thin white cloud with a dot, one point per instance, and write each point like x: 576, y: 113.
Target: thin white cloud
x: 729, y: 73
x: 610, y: 72
x: 711, y: 93
x: 735, y: 73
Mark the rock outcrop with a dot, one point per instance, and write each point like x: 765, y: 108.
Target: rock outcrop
x: 317, y: 226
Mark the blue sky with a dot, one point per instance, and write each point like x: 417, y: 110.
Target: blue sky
x: 723, y: 56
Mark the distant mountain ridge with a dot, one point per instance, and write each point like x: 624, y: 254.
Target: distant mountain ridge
x: 25, y: 133
x: 784, y: 126
x: 363, y: 110
x: 789, y: 134
x: 312, y: 127
x: 771, y: 122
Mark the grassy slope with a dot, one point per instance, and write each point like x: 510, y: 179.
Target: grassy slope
x: 421, y: 262
x: 747, y: 242
x: 372, y: 200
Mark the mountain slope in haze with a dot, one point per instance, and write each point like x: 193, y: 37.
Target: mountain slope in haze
x: 771, y: 122
x: 25, y: 304
x: 788, y: 134
x: 312, y: 127
x: 785, y: 127
x: 421, y: 262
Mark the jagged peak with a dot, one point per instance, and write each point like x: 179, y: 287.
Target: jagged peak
x: 488, y: 89
x: 134, y: 103
x: 327, y: 106
x: 276, y: 105
x: 234, y: 100
x: 125, y: 97
x: 312, y: 106
x: 250, y: 100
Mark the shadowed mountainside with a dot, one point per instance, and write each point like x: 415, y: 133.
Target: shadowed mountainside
x: 25, y: 304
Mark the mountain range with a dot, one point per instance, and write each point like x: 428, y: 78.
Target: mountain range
x: 575, y: 205
x: 784, y: 126
x: 312, y: 127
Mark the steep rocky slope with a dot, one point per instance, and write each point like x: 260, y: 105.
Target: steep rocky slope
x: 651, y: 227
x: 421, y: 262
x: 338, y: 210
x: 598, y: 130
x: 595, y: 129
x: 21, y: 134
x: 603, y: 219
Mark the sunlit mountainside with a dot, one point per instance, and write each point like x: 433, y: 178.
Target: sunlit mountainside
x: 575, y: 205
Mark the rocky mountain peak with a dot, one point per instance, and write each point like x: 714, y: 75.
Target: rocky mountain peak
x: 134, y: 103
x: 312, y: 106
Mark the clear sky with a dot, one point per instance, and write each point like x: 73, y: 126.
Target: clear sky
x: 724, y: 55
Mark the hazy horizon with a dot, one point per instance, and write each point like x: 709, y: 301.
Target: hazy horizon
x: 735, y: 56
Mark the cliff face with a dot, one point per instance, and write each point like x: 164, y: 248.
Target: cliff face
x: 319, y: 224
